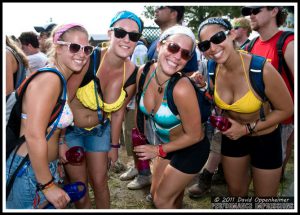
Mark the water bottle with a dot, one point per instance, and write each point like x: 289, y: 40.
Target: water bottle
x: 139, y: 139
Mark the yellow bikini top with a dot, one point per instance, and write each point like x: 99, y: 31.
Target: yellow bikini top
x: 249, y: 103
x: 86, y: 95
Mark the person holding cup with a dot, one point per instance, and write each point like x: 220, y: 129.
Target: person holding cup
x: 250, y: 139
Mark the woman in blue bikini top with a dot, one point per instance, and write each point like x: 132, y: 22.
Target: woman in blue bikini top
x: 176, y: 133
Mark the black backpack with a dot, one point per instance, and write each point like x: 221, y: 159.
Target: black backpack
x: 281, y: 61
x: 13, y: 118
x: 204, y: 100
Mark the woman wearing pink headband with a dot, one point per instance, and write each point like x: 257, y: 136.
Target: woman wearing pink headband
x: 36, y: 183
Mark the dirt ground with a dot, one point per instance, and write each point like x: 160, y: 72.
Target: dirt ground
x: 123, y: 198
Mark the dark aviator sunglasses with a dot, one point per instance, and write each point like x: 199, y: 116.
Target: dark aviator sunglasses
x: 250, y: 11
x: 215, y: 39
x: 175, y: 48
x: 121, y: 33
x: 75, y: 48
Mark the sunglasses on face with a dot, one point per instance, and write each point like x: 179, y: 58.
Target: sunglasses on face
x: 250, y: 11
x: 75, y: 48
x: 236, y: 28
x: 215, y: 39
x: 121, y: 33
x: 175, y: 48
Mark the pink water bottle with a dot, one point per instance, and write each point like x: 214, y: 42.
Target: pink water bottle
x: 137, y: 140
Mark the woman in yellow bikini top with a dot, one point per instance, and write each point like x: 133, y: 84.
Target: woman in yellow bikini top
x: 87, y: 96
x: 99, y: 106
x: 248, y: 103
x: 251, y: 143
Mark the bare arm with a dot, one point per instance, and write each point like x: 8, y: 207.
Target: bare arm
x: 11, y: 68
x: 289, y: 56
x: 39, y: 101
x: 278, y: 94
x: 185, y: 99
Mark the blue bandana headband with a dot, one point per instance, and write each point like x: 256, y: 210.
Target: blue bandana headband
x: 127, y: 15
x: 214, y: 20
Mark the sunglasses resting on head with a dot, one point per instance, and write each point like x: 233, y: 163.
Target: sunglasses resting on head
x: 75, y: 48
x: 175, y: 48
x: 121, y: 33
x: 215, y: 39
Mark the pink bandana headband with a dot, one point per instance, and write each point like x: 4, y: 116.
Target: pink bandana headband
x: 62, y: 30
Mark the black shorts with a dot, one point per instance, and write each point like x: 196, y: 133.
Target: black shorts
x: 190, y: 160
x: 265, y: 151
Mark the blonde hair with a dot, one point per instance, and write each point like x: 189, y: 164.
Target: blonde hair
x: 52, y: 46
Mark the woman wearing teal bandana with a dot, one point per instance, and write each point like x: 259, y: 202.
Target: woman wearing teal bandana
x: 99, y: 104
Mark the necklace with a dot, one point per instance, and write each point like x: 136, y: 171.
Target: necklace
x: 160, y: 85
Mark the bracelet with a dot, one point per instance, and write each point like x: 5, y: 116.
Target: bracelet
x: 249, y: 128
x: 40, y: 187
x: 117, y: 146
x: 161, y: 151
x: 203, y: 88
x: 48, y: 187
x: 255, y: 124
x: 246, y: 129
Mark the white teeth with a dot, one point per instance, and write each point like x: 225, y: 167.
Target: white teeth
x: 125, y: 47
x: 170, y: 63
x: 78, y: 61
x: 217, y: 55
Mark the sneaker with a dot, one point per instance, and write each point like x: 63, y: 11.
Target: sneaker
x: 139, y: 182
x: 149, y: 198
x: 129, y: 174
x: 203, y: 186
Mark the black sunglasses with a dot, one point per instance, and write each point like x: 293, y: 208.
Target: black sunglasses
x: 235, y: 28
x: 121, y: 33
x: 249, y: 11
x: 216, y: 39
x: 75, y: 48
x: 175, y: 48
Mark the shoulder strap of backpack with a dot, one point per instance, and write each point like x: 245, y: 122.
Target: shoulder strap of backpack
x: 256, y: 75
x: 132, y: 78
x: 211, y: 68
x: 256, y: 79
x: 281, y: 60
x: 170, y: 100
x: 250, y: 45
x: 140, y: 116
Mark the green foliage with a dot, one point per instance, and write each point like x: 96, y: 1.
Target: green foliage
x: 194, y: 15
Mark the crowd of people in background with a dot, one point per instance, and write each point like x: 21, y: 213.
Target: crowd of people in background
x: 105, y: 100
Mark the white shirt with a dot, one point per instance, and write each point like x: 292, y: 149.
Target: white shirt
x: 37, y: 61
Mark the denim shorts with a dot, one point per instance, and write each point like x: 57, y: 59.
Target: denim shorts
x: 96, y: 140
x: 23, y: 193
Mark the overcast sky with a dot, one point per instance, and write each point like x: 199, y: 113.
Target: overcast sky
x: 19, y: 17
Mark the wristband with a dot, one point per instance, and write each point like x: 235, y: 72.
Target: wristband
x: 40, y: 187
x: 161, y: 151
x: 117, y: 146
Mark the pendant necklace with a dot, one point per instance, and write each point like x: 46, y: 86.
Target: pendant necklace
x: 160, y: 85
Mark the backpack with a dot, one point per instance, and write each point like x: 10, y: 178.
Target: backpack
x: 204, y: 100
x: 255, y: 75
x: 13, y: 119
x: 281, y: 60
